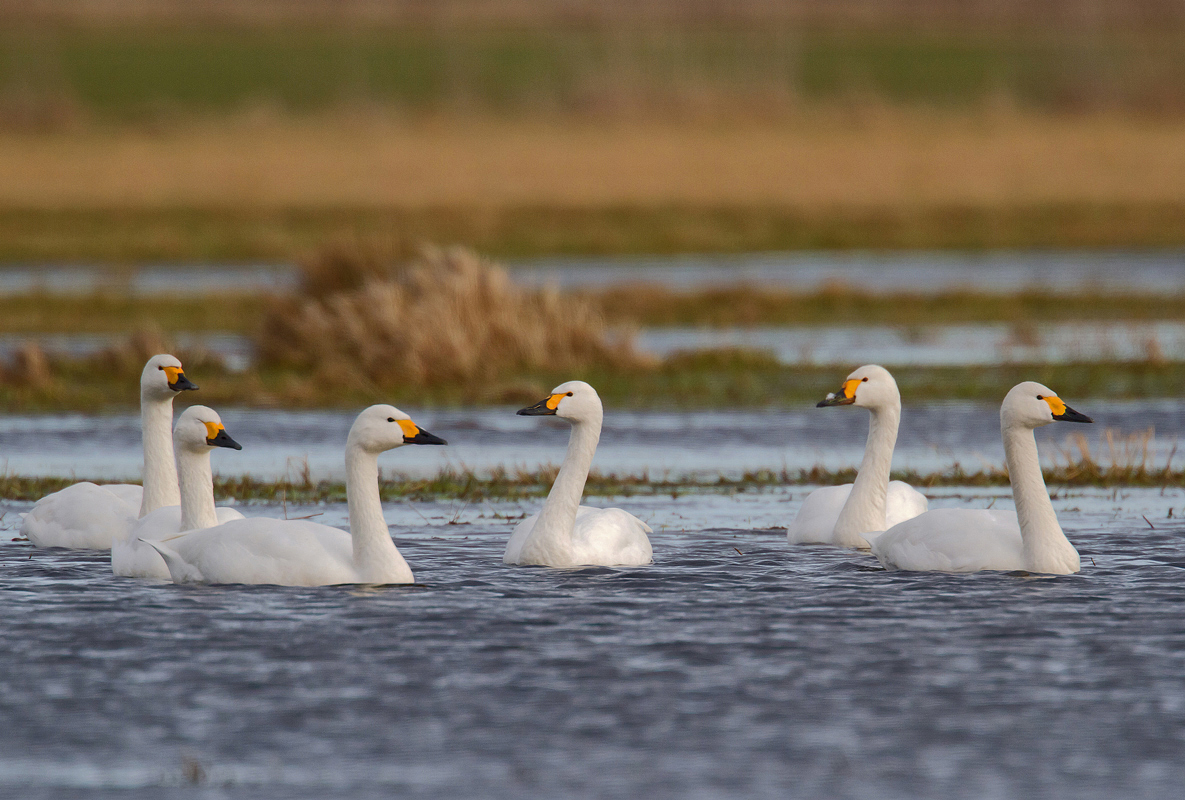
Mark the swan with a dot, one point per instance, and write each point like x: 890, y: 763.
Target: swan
x: 969, y: 540
x: 842, y: 515
x: 304, y: 553
x: 198, y: 431
x: 565, y: 533
x: 88, y: 516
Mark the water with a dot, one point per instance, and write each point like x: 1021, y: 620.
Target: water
x: 890, y: 271
x: 909, y: 271
x: 735, y: 666
x: 278, y: 444
x: 936, y: 345
x: 931, y: 345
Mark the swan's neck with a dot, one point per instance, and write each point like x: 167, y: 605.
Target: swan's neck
x: 558, y: 515
x: 160, y: 475
x: 375, y: 556
x: 197, y: 490
x: 864, y: 510
x: 1046, y: 548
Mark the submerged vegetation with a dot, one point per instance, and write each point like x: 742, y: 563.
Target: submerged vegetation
x: 500, y: 484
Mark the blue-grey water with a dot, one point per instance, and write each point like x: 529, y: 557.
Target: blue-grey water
x: 278, y: 444
x: 735, y: 666
x: 842, y: 346
x: 878, y: 271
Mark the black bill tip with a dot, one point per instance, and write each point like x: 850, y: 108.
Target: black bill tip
x: 423, y: 437
x: 540, y: 409
x: 1070, y: 415
x: 223, y: 440
x: 182, y: 384
x: 837, y: 399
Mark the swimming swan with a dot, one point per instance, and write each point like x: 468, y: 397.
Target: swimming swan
x: 85, y: 515
x: 565, y: 533
x: 304, y: 553
x: 842, y: 515
x: 969, y: 540
x: 198, y: 431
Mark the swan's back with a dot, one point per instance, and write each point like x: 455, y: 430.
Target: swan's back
x: 132, y: 558
x: 903, y: 502
x: 816, y: 518
x: 84, y: 516
x: 273, y: 551
x: 611, y: 536
x: 600, y: 536
x: 815, y: 521
x: 953, y: 540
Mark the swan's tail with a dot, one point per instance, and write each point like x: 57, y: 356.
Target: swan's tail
x: 179, y: 570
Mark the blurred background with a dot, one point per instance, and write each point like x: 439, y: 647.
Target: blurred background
x: 690, y: 203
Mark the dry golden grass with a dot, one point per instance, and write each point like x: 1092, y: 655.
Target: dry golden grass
x: 873, y: 159
x: 447, y: 317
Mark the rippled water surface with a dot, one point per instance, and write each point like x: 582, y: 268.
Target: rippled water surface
x: 734, y: 666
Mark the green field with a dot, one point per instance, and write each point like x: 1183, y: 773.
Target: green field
x: 142, y: 73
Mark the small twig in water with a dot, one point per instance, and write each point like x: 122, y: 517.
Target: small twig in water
x: 739, y: 553
x: 1150, y: 525
x: 413, y: 508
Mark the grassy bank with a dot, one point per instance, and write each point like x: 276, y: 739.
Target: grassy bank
x: 502, y: 485
x: 136, y: 235
x: 58, y: 74
x: 651, y: 306
x: 713, y: 379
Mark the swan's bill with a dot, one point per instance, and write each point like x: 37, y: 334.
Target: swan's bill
x: 545, y: 407
x: 844, y: 397
x: 1063, y: 412
x: 216, y: 436
x: 412, y: 434
x: 177, y: 380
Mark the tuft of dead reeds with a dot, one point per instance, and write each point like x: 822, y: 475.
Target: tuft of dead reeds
x: 446, y: 317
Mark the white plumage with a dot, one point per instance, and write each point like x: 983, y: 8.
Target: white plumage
x: 301, y: 552
x: 565, y: 533
x: 970, y: 540
x: 815, y: 522
x: 851, y: 514
x: 87, y: 516
x: 199, y: 430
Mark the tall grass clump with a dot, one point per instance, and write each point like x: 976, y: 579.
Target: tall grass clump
x: 441, y: 318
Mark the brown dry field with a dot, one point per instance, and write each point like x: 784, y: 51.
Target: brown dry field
x: 874, y: 160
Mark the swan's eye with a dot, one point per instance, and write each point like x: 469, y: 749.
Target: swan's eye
x: 162, y: 369
x: 569, y: 394
x: 1039, y: 397
x: 864, y: 380
x: 390, y: 419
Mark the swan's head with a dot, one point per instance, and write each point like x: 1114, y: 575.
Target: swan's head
x: 199, y: 430
x: 1031, y: 405
x: 575, y: 401
x: 869, y: 386
x: 384, y: 427
x: 163, y: 377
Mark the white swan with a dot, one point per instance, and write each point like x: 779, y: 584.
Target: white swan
x: 304, y: 553
x: 86, y: 515
x: 969, y: 540
x: 565, y: 533
x: 842, y: 515
x: 198, y: 431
